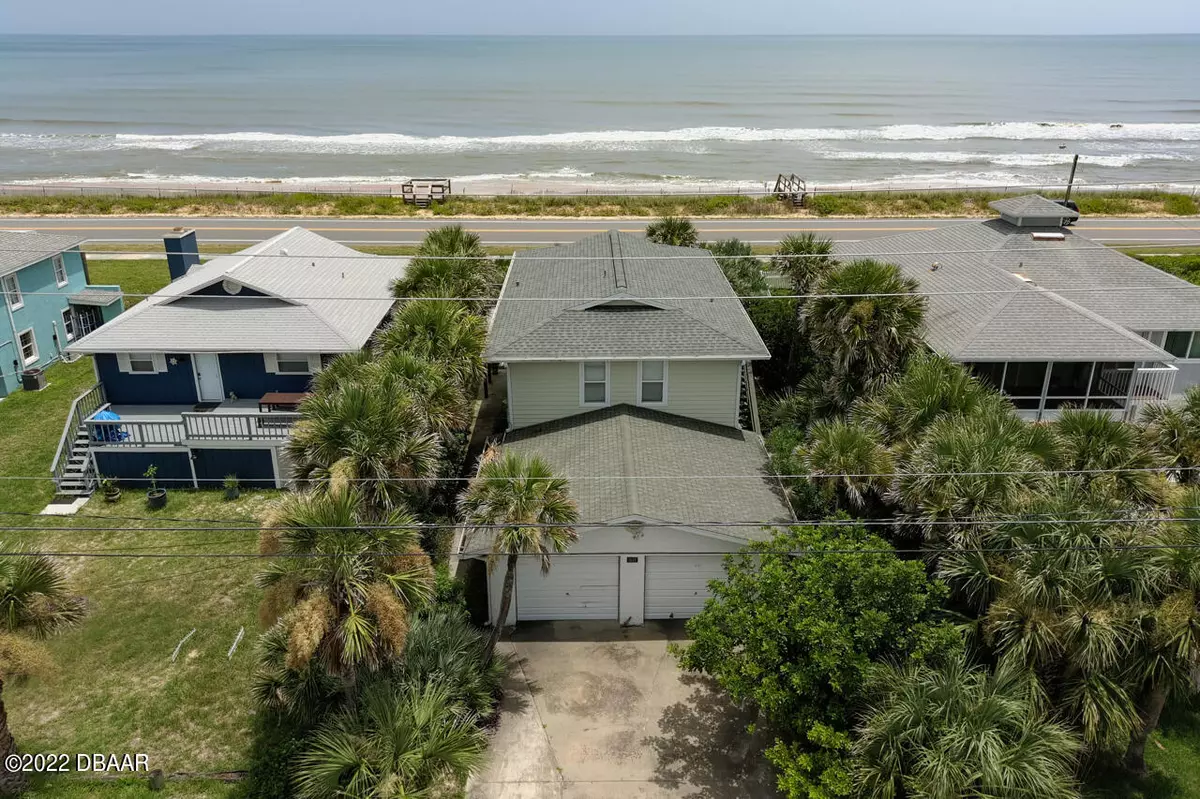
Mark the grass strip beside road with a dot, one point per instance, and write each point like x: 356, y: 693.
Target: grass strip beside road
x: 868, y: 204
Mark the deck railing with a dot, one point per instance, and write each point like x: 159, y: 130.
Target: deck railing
x: 81, y: 408
x: 274, y: 426
x: 192, y: 427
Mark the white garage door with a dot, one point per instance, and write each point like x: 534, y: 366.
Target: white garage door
x: 677, y: 585
x: 576, y: 587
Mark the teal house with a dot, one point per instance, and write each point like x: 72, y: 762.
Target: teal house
x: 48, y: 302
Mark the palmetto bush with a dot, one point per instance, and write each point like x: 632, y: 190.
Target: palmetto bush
x: 955, y: 731
x: 451, y: 262
x: 398, y: 741
x: 673, y: 230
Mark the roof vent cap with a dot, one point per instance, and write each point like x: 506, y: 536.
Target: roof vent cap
x: 1047, y: 235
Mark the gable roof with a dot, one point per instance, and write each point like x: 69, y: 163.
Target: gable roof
x: 20, y: 248
x: 993, y: 294
x: 633, y: 449
x: 1032, y: 206
x: 584, y: 300
x: 312, y: 300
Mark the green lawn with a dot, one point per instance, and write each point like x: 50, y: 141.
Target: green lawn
x: 130, y: 789
x: 134, y: 277
x: 115, y: 688
x: 31, y: 424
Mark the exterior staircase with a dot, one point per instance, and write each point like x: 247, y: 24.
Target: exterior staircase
x: 73, y: 472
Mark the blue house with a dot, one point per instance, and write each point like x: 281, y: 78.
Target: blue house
x: 204, y: 376
x: 48, y: 301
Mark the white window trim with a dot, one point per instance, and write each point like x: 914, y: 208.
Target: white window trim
x: 68, y: 320
x: 21, y: 347
x: 271, y: 362
x: 60, y: 265
x: 12, y: 296
x: 666, y: 398
x: 607, y: 385
x: 159, y: 359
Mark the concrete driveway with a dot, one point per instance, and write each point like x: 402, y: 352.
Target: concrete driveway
x: 593, y: 710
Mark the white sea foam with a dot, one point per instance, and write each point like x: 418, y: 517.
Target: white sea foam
x: 398, y: 143
x: 1003, y: 159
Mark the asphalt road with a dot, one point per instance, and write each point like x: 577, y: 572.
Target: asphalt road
x: 524, y: 232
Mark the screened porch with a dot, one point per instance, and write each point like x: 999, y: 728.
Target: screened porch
x: 1040, y: 389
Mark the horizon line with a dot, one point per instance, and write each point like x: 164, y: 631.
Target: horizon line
x: 318, y: 35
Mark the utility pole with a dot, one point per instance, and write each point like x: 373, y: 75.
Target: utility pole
x: 1071, y: 180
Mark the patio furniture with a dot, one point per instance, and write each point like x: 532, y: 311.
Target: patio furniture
x: 281, y: 401
x: 108, y: 432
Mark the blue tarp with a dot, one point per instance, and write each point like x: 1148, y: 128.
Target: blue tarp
x: 108, y: 432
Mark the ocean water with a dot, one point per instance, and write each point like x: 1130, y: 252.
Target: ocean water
x: 630, y: 112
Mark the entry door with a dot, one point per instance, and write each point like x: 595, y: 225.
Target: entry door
x: 632, y: 604
x: 208, y: 377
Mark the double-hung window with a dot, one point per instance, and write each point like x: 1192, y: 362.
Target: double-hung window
x: 593, y: 383
x: 60, y: 271
x: 291, y: 363
x: 28, y: 342
x: 12, y: 291
x: 68, y: 324
x: 652, y: 383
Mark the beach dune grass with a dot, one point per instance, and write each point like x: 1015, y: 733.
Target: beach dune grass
x: 880, y: 204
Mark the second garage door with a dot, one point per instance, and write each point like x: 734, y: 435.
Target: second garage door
x: 677, y: 585
x: 576, y: 587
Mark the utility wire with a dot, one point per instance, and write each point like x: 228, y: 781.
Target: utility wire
x: 598, y: 525
x: 759, y: 476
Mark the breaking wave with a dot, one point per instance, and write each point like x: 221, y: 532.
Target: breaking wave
x: 399, y: 143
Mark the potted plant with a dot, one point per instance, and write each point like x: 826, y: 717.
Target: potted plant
x: 232, y: 489
x: 155, y: 497
x: 110, y: 489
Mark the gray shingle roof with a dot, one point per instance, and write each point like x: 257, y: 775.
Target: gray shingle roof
x: 619, y: 267
x: 90, y: 296
x: 629, y: 442
x: 1033, y: 206
x: 20, y: 248
x: 313, y: 305
x: 990, y: 312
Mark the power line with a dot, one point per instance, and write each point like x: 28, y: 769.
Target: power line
x: 599, y: 525
x: 759, y: 476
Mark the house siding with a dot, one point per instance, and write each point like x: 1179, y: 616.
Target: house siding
x: 246, y: 376
x: 545, y: 391
x: 176, y: 386
x: 254, y: 467
x: 44, y: 302
x: 174, y: 469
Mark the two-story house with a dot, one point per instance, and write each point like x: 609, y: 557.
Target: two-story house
x: 625, y: 361
x: 48, y: 302
x: 1046, y: 315
x: 202, y: 379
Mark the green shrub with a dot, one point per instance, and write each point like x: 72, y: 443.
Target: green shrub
x: 1180, y: 205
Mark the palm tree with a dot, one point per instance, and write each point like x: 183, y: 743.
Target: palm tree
x: 846, y: 460
x: 510, y: 499
x: 804, y: 259
x: 957, y: 731
x: 34, y: 604
x: 440, y: 331
x: 741, y: 268
x: 360, y: 434
x: 451, y: 262
x: 1110, y: 455
x: 863, y: 339
x: 673, y: 230
x: 396, y: 743
x: 930, y: 387
x: 1166, y: 658
x: 1175, y: 432
x: 431, y: 389
x: 341, y: 580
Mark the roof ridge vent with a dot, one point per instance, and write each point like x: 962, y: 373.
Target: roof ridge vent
x: 620, y: 277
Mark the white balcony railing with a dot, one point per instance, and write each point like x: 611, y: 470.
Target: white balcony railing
x: 191, y: 427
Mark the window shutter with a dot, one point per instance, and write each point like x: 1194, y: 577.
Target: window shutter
x: 160, y: 361
x: 271, y: 362
x: 314, y: 363
x: 123, y: 362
